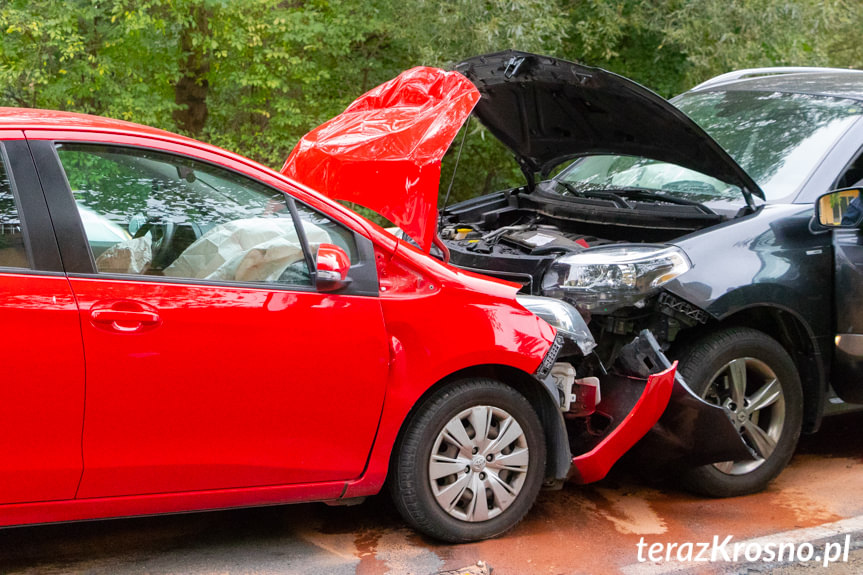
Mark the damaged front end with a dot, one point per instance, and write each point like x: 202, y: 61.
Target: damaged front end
x: 603, y: 413
x: 384, y: 152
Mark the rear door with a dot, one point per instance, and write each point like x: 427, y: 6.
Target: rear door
x: 42, y: 387
x: 212, y: 361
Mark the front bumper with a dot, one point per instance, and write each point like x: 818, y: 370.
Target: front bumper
x: 691, y: 432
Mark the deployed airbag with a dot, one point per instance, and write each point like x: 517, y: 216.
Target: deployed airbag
x: 132, y: 256
x: 252, y: 250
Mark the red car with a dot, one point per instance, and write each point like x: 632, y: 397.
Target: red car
x: 188, y: 330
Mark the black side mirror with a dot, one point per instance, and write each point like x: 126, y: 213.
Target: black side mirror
x: 840, y: 209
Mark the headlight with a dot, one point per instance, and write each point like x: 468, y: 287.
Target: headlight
x: 606, y: 278
x: 562, y: 316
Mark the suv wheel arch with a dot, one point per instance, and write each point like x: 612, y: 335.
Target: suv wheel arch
x: 795, y: 335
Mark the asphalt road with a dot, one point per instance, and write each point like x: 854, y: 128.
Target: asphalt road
x: 817, y: 502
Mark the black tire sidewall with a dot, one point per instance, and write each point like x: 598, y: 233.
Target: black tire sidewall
x: 411, y: 488
x: 699, y: 361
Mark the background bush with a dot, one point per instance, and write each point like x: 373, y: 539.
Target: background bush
x: 253, y: 76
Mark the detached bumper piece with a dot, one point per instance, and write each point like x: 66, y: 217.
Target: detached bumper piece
x: 657, y: 411
x: 630, y: 407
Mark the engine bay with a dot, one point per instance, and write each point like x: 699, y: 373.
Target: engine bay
x: 515, y: 235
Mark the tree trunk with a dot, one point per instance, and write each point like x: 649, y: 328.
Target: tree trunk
x: 190, y: 92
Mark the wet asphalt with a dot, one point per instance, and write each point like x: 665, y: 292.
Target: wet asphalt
x: 582, y: 529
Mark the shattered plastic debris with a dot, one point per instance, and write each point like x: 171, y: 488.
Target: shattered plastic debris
x: 481, y: 568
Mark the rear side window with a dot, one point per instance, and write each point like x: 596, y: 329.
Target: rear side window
x: 13, y: 252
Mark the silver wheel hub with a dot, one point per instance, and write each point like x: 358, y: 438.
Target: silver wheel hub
x: 478, y: 463
x: 752, y: 397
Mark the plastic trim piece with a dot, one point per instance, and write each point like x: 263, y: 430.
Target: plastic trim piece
x: 74, y: 249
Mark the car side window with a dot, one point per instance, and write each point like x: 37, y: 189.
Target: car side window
x: 13, y: 251
x: 337, y: 234
x: 852, y: 176
x: 157, y: 214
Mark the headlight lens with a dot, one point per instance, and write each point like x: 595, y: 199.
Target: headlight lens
x: 606, y: 278
x: 562, y: 316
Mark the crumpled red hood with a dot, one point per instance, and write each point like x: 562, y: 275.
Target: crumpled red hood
x: 384, y: 151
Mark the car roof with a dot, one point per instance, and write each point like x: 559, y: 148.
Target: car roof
x: 834, y: 82
x: 57, y: 121
x: 37, y: 119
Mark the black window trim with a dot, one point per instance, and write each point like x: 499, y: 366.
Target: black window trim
x: 40, y: 243
x: 25, y: 230
x: 363, y: 273
x: 825, y: 175
x: 126, y: 278
x: 858, y: 156
x: 304, y: 242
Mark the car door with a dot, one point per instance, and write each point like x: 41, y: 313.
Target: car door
x: 847, y: 372
x: 212, y: 361
x: 42, y: 388
x: 846, y: 363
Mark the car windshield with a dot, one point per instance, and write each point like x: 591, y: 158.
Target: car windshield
x: 777, y: 138
x: 619, y: 173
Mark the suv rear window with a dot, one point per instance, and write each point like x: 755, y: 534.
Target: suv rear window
x: 13, y: 253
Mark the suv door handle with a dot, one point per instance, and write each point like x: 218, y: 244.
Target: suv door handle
x: 123, y: 320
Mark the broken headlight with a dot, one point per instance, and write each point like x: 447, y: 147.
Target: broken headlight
x: 562, y: 316
x: 607, y: 278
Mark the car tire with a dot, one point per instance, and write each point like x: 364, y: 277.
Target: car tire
x: 716, y: 368
x: 441, y: 461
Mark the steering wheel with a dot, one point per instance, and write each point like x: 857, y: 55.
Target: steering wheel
x: 162, y: 236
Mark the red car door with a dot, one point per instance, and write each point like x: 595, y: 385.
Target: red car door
x: 42, y: 388
x: 212, y: 361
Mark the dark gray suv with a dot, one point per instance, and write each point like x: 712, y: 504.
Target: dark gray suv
x: 693, y: 219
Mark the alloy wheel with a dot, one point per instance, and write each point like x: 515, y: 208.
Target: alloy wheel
x: 751, y: 394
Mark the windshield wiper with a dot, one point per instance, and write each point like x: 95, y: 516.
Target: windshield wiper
x: 620, y: 195
x: 641, y: 193
x: 570, y: 188
x: 601, y: 194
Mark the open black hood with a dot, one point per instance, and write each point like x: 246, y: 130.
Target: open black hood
x: 548, y: 110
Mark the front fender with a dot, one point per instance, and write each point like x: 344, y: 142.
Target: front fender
x: 434, y: 336
x: 767, y: 258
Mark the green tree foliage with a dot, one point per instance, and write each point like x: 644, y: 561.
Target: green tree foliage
x: 718, y: 36
x: 254, y: 75
x: 443, y: 33
x: 670, y: 45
